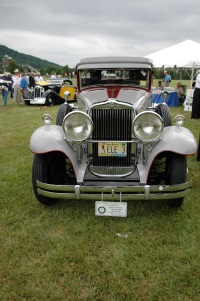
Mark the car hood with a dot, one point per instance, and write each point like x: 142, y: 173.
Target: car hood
x: 127, y: 95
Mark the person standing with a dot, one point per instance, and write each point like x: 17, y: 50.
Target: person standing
x: 16, y: 85
x: 4, y: 88
x: 38, y: 78
x: 53, y: 76
x: 10, y: 86
x: 196, y: 99
x: 167, y: 79
x: 24, y: 81
x: 23, y: 85
x: 31, y: 81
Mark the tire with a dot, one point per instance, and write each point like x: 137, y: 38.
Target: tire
x: 48, y: 168
x: 164, y: 112
x: 50, y: 100
x: 64, y: 109
x: 176, y: 173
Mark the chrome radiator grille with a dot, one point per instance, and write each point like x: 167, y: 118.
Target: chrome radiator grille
x: 111, y: 124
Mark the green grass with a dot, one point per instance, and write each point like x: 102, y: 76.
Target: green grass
x: 64, y: 252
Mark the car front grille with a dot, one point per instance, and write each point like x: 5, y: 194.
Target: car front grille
x: 111, y: 124
x: 38, y: 91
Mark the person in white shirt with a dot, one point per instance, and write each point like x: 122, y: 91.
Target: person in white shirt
x: 53, y: 76
x: 196, y: 99
x: 38, y: 78
x: 16, y: 85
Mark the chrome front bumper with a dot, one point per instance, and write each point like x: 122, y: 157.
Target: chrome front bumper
x: 111, y: 193
x: 38, y: 101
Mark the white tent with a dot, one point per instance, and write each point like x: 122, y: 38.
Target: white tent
x: 181, y: 55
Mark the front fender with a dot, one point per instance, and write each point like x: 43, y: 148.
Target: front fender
x: 174, y: 139
x: 49, y: 138
x: 179, y: 140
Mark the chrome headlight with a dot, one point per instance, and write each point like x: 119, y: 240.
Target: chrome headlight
x: 147, y: 126
x: 77, y: 126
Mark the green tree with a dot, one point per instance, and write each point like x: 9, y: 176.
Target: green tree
x: 13, y: 65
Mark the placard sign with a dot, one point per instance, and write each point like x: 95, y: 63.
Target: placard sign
x: 189, y: 100
x: 118, y: 209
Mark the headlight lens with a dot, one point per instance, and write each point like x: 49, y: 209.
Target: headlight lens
x: 179, y: 120
x: 77, y: 126
x: 147, y: 126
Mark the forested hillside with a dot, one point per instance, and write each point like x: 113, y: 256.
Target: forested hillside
x: 24, y: 59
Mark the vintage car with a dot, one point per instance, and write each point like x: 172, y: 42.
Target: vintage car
x: 50, y: 92
x: 114, y: 146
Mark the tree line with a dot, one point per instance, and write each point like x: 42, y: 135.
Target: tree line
x: 50, y: 69
x: 176, y: 74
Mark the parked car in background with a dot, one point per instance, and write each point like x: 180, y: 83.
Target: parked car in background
x: 114, y: 146
x: 50, y: 92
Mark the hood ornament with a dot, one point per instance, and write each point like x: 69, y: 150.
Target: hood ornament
x: 112, y: 102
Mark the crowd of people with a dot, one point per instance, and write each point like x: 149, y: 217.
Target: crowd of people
x: 16, y: 83
x: 13, y: 85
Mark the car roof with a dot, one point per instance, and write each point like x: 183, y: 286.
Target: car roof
x: 114, y: 62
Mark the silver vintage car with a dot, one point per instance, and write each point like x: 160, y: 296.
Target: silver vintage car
x: 113, y: 145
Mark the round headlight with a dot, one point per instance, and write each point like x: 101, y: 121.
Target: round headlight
x: 47, y: 119
x: 147, y: 126
x: 179, y: 120
x: 77, y: 126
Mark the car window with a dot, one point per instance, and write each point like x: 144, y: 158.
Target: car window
x: 119, y: 77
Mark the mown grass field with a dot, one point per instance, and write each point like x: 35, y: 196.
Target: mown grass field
x: 64, y: 252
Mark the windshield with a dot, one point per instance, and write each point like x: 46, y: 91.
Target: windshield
x: 119, y: 77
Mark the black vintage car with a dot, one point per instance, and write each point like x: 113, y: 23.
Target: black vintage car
x: 50, y: 92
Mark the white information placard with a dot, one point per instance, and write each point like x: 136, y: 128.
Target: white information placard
x: 118, y: 209
x: 189, y: 100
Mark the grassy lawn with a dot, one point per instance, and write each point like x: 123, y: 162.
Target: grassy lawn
x: 64, y: 252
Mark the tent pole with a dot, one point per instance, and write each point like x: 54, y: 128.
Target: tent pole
x: 192, y: 75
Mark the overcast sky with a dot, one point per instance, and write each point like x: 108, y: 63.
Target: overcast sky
x: 63, y: 31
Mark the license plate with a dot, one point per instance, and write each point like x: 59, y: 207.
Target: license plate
x: 112, y: 149
x: 118, y: 209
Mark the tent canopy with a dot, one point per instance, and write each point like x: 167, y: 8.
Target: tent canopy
x: 185, y: 54
x: 181, y: 55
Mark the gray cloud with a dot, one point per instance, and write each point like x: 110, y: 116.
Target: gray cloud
x: 64, y: 31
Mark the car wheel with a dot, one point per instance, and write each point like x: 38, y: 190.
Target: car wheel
x: 164, y: 112
x: 48, y: 168
x: 50, y: 100
x: 64, y: 109
x: 176, y: 173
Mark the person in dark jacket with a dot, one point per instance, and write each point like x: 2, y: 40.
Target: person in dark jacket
x: 31, y: 80
x: 10, y: 86
x: 196, y: 99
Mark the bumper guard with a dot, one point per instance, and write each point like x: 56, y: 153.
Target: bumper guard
x: 112, y: 193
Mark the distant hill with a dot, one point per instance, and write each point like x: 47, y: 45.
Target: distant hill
x: 24, y: 59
